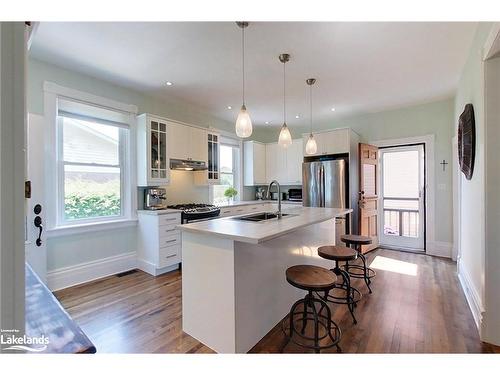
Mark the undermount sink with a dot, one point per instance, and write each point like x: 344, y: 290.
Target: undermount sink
x: 261, y: 216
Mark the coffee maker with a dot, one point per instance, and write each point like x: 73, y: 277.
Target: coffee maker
x: 155, y: 198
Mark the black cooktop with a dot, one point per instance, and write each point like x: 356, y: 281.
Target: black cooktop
x: 191, y: 206
x: 196, y: 211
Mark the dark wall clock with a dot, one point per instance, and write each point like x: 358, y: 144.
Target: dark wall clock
x: 467, y: 141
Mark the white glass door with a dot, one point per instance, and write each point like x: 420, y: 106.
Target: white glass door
x: 402, y: 212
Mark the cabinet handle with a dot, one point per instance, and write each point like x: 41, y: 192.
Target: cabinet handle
x: 170, y: 241
x: 174, y: 218
x: 171, y: 256
x: 170, y: 230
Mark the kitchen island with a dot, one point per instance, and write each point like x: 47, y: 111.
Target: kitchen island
x: 234, y: 289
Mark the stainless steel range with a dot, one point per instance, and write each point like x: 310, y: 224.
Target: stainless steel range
x: 192, y: 212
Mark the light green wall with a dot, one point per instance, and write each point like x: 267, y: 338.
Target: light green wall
x: 432, y: 118
x: 71, y: 250
x: 470, y: 90
x: 39, y: 71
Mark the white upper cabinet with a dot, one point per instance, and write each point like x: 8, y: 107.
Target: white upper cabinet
x: 254, y: 163
x: 152, y: 156
x: 198, y: 145
x: 330, y: 142
x: 294, y: 159
x: 187, y: 142
x: 178, y: 141
x: 284, y: 164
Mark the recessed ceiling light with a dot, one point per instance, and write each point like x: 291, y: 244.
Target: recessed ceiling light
x: 229, y: 107
x: 168, y: 83
x: 267, y: 122
x: 333, y: 109
x: 297, y: 116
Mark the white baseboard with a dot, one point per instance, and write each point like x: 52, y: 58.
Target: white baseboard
x: 439, y: 249
x: 150, y: 268
x: 472, y: 296
x: 81, y: 273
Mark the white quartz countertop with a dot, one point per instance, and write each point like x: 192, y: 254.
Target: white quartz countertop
x: 225, y: 205
x: 262, y: 201
x: 159, y: 212
x: 257, y: 232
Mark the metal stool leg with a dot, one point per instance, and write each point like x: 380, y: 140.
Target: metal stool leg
x: 365, y: 269
x: 316, y: 323
x: 350, y: 300
x: 346, y: 280
x: 290, y: 317
x: 304, y: 316
x: 329, y: 323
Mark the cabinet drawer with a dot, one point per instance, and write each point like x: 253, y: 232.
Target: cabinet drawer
x: 169, y: 255
x: 226, y: 211
x: 168, y: 230
x: 169, y: 219
x: 173, y: 239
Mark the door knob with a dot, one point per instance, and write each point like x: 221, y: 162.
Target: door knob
x: 38, y: 224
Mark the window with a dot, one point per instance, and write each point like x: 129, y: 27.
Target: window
x: 229, y: 171
x: 92, y: 175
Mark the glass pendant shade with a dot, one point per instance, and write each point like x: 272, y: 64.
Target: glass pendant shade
x: 285, y: 138
x: 243, y: 123
x: 311, y: 146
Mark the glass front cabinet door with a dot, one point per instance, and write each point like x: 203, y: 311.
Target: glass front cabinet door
x: 153, y: 164
x: 212, y: 175
x: 213, y: 158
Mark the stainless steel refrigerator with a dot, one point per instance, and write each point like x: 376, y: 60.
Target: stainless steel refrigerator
x: 325, y: 184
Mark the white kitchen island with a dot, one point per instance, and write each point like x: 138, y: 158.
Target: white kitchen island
x: 234, y: 289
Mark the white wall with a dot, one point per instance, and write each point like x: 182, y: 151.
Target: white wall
x: 491, y: 332
x: 471, y: 258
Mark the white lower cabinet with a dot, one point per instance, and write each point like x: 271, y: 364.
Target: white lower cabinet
x: 159, y: 242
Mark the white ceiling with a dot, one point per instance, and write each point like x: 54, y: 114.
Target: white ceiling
x: 359, y: 67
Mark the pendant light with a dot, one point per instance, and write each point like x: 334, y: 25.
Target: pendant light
x: 311, y: 146
x: 285, y: 138
x: 243, y: 122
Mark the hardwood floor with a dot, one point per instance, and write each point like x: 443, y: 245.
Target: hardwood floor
x: 417, y: 307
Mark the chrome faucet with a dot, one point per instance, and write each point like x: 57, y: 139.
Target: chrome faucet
x: 279, y: 195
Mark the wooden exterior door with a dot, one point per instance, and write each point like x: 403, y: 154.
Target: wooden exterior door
x: 368, y: 194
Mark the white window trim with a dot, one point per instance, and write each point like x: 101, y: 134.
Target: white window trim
x: 52, y: 92
x: 239, y: 142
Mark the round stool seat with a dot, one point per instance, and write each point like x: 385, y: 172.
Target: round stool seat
x: 311, y: 278
x: 356, y: 239
x: 338, y: 253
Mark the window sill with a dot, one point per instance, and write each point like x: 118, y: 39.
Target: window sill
x: 69, y: 230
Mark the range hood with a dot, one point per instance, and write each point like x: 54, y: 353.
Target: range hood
x: 188, y: 165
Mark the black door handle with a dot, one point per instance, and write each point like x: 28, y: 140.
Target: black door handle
x: 38, y: 224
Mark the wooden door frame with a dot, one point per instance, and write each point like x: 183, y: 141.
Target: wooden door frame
x: 432, y: 247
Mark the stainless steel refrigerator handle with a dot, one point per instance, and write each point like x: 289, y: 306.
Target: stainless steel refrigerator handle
x: 322, y: 186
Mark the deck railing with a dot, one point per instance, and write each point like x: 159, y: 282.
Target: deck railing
x: 401, y: 221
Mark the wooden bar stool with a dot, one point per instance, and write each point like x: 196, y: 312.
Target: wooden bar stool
x: 348, y: 295
x: 358, y: 271
x: 326, y: 333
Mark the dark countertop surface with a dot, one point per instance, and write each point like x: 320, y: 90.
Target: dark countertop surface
x: 45, y: 316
